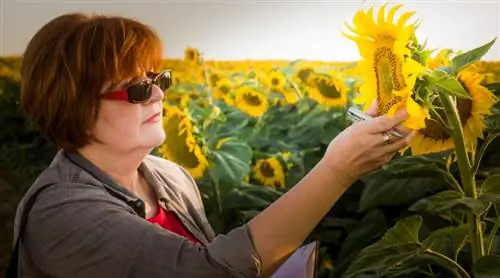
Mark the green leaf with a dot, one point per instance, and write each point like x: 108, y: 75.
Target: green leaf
x: 447, y: 200
x: 405, y: 231
x: 490, y: 189
x: 398, y: 246
x: 375, y: 260
x: 404, y: 181
x: 371, y: 227
x: 250, y: 197
x: 230, y: 164
x: 463, y: 60
x: 448, y: 84
x: 448, y: 241
x: 491, y: 185
x: 492, y: 123
x: 487, y: 267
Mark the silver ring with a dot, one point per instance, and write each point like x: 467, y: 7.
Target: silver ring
x: 387, y: 138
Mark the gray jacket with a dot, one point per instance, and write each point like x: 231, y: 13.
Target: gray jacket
x: 85, y: 225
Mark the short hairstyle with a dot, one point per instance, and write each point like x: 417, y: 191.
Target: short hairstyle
x: 67, y: 63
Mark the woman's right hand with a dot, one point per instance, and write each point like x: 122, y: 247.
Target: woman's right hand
x: 362, y: 147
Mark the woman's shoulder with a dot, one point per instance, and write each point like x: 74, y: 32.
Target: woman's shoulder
x: 168, y: 169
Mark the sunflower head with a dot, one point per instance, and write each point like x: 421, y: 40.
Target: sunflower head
x: 270, y: 172
x: 434, y: 138
x: 302, y: 74
x: 180, y: 145
x: 214, y: 78
x: 251, y: 101
x: 191, y: 54
x: 388, y: 71
x: 327, y: 90
x: 223, y: 91
x: 275, y: 80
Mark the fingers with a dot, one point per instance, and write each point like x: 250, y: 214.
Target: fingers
x: 373, y: 110
x: 394, y: 146
x: 384, y: 122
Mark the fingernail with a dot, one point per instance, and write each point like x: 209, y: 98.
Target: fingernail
x: 402, y: 113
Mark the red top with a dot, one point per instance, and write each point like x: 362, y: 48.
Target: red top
x: 169, y: 221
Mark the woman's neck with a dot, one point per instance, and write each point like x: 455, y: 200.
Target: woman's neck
x: 121, y: 167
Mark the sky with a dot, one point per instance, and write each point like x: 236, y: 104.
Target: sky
x: 257, y: 29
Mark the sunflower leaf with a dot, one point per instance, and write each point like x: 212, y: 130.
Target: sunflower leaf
x: 487, y: 267
x: 399, y: 245
x: 448, y: 241
x: 447, y: 200
x: 231, y: 162
x: 463, y: 60
x: 492, y: 123
x: 404, y: 181
x: 490, y: 189
x: 448, y: 84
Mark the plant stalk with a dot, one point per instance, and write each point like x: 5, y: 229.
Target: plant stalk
x: 466, y: 175
x: 215, y: 187
x: 447, y: 263
x: 482, y: 150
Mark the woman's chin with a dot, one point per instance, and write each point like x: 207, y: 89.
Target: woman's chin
x: 153, y: 138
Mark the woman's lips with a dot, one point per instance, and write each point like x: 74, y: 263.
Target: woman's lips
x: 154, y: 118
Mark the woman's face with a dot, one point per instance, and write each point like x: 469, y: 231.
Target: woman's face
x: 126, y: 126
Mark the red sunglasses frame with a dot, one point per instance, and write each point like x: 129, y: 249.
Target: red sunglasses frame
x: 142, y: 91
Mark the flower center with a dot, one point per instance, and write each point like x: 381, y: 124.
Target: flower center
x: 177, y: 144
x: 251, y: 99
x: 224, y: 89
x: 275, y: 81
x: 214, y: 78
x: 388, y: 72
x: 433, y: 128
x: 267, y: 170
x: 304, y: 74
x: 327, y: 88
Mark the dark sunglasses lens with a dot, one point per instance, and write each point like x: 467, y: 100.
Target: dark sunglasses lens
x: 164, y: 81
x: 140, y: 92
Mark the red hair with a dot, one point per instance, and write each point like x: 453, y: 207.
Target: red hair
x: 67, y: 63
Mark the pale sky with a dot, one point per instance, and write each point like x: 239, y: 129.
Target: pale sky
x: 251, y: 29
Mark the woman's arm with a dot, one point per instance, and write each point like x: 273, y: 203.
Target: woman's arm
x: 283, y: 226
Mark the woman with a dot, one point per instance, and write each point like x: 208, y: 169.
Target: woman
x: 110, y: 209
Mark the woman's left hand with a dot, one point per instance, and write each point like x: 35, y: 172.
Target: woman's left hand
x: 366, y: 146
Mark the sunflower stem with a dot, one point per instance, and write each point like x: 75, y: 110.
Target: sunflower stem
x: 440, y: 119
x: 466, y: 175
x: 217, y: 198
x: 447, y: 263
x: 494, y: 230
x: 482, y: 150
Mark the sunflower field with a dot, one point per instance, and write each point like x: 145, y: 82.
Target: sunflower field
x: 248, y: 131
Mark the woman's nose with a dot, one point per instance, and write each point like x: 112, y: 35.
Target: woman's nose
x: 156, y: 94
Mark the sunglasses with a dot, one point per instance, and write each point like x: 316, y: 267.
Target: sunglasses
x: 142, y: 91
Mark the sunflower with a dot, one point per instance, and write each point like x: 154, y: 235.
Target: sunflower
x: 180, y: 145
x: 251, y: 101
x: 303, y: 72
x: 388, y: 71
x: 434, y: 138
x: 442, y: 59
x: 269, y: 172
x: 191, y: 54
x: 289, y: 97
x: 223, y: 91
x: 214, y: 77
x: 327, y: 90
x: 275, y: 80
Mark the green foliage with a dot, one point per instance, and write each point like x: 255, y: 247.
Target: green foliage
x: 463, y: 60
x: 408, y: 219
